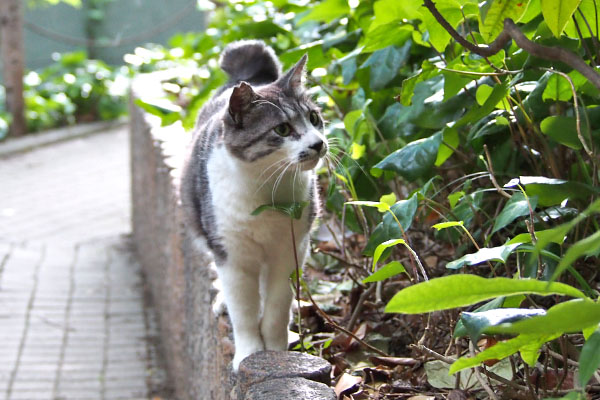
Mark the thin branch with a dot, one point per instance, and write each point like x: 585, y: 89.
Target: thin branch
x: 511, y: 31
x: 344, y: 330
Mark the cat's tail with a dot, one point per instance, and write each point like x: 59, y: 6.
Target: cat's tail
x: 251, y: 61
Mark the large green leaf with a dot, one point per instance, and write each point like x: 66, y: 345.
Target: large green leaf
x: 388, y: 228
x: 413, y: 160
x: 327, y: 11
x: 558, y: 233
x: 559, y: 89
x: 562, y: 129
x: 383, y: 64
x: 477, y: 323
x: 462, y: 290
x: 499, y: 254
x: 475, y: 114
x: 550, y: 191
x: 516, y: 206
x: 585, y: 247
x: 499, y: 10
x: 523, y: 343
x: 557, y: 13
x: 438, y: 35
x: 386, y: 35
x: 589, y: 361
x: 567, y: 317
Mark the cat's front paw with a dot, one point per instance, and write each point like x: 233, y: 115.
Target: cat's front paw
x: 241, y: 353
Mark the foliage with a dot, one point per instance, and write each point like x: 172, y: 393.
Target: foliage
x: 73, y: 89
x: 498, y: 154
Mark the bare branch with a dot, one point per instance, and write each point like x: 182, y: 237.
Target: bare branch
x: 511, y: 31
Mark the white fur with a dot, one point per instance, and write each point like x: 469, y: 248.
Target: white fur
x: 260, y: 255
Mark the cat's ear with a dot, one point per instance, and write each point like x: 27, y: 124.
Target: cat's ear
x: 240, y: 101
x: 293, y: 80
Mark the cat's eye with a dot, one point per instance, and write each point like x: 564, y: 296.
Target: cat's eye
x: 283, y: 129
x: 314, y: 118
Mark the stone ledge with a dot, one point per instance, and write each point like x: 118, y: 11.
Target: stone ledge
x: 181, y: 277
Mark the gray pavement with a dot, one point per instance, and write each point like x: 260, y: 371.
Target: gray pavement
x: 74, y: 319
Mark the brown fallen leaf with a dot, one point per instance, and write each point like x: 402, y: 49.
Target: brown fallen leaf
x: 347, y: 384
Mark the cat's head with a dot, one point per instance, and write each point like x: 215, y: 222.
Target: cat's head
x: 276, y: 122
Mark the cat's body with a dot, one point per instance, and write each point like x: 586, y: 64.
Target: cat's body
x: 256, y: 142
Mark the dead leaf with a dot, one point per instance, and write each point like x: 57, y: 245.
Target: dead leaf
x: 421, y: 397
x: 347, y: 384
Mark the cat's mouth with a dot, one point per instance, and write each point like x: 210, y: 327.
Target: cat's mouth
x: 307, y: 161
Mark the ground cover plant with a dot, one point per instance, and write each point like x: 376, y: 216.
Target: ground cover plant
x: 458, y: 257
x: 73, y: 89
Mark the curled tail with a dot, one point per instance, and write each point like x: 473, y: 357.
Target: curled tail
x: 251, y: 61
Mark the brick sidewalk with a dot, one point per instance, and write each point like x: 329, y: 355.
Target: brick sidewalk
x: 74, y: 321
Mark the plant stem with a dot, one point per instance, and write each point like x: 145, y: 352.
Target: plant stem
x: 300, y: 333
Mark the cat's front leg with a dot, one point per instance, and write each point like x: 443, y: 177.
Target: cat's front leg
x: 240, y: 287
x: 276, y: 313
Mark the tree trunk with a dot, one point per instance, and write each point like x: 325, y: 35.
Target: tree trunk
x: 13, y: 62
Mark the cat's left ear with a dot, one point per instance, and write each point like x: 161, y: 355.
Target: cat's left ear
x: 293, y: 80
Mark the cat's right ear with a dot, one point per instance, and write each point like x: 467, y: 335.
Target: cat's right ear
x: 240, y: 101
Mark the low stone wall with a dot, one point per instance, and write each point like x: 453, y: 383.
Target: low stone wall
x: 198, y: 344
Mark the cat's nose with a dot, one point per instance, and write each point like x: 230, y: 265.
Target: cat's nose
x: 317, y: 146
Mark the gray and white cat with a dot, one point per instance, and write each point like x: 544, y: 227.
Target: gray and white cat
x: 257, y: 141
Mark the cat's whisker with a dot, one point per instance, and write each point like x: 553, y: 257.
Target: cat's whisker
x: 263, y: 101
x: 283, y: 163
x: 278, y: 181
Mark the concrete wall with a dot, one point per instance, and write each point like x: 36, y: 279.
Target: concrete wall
x: 127, y: 24
x: 197, y: 342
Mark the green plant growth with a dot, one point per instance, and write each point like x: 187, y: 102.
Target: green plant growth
x: 466, y: 169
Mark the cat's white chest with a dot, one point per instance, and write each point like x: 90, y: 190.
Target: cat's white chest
x: 235, y: 195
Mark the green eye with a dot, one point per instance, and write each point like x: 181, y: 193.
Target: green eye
x: 314, y: 118
x: 283, y: 129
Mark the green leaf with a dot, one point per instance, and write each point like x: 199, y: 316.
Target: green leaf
x: 460, y: 330
x: 449, y: 224
x: 386, y: 35
x: 438, y: 36
x: 550, y: 191
x: 562, y: 129
x: 499, y: 253
x: 557, y: 13
x: 380, y: 205
x: 501, y: 350
x: 163, y: 108
x: 589, y: 361
x: 475, y: 114
x: 559, y: 89
x: 384, y: 64
x: 428, y: 70
x: 588, y: 246
x: 387, y: 271
x: 567, y: 317
x: 450, y: 137
x: 356, y: 124
x: 515, y: 207
x: 383, y: 246
x: 493, y: 23
x: 478, y: 323
x: 540, y: 235
x: 327, y: 11
x: 387, y: 229
x: 292, y: 210
x: 413, y: 160
x: 465, y: 289
x: 357, y: 150
x: 389, y: 199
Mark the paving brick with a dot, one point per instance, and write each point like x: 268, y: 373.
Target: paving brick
x: 73, y: 277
